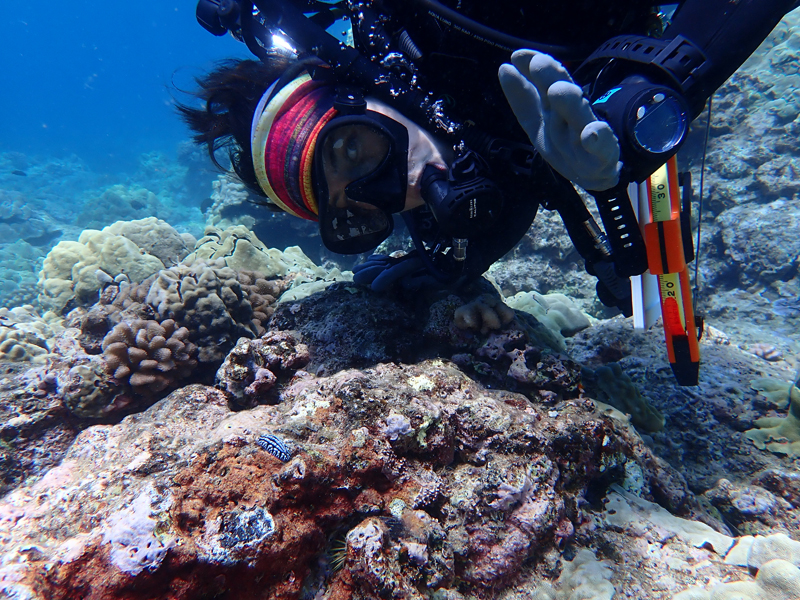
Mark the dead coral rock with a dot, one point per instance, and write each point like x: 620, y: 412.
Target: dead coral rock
x: 148, y: 355
x: 253, y: 367
x: 511, y: 360
x: 347, y: 326
x: 90, y: 391
x: 185, y: 480
x: 749, y: 508
x: 781, y: 482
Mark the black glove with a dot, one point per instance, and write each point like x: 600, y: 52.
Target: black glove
x: 381, y: 272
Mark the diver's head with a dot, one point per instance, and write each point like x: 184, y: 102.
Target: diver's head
x: 335, y: 157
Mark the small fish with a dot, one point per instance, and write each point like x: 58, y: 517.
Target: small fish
x: 275, y: 446
x: 19, y: 173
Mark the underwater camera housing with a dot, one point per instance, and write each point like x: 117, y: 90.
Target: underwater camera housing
x: 644, y: 88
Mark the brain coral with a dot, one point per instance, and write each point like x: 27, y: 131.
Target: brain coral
x: 150, y: 356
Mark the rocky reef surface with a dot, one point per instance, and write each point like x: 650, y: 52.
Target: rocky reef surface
x: 338, y: 443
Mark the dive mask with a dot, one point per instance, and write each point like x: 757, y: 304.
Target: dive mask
x: 360, y: 176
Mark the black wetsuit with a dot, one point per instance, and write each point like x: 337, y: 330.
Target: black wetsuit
x: 459, y: 66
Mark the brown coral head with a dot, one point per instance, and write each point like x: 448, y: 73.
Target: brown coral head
x: 148, y: 355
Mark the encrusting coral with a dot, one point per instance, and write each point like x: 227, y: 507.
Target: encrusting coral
x: 780, y: 435
x: 618, y: 389
x: 486, y: 313
x: 24, y: 334
x: 150, y: 356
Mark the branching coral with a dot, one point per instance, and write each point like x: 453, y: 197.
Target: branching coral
x: 149, y: 355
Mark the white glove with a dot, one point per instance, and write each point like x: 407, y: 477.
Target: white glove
x: 559, y: 121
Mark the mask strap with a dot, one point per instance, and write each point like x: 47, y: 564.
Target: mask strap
x: 258, y: 140
x: 260, y: 108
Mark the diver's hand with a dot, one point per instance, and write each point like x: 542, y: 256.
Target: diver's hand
x: 381, y: 272
x: 559, y: 121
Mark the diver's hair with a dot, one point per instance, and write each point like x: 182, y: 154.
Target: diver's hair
x: 231, y: 93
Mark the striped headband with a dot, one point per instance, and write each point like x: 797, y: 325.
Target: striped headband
x: 283, y: 137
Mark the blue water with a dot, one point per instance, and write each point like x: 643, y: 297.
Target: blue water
x: 94, y: 78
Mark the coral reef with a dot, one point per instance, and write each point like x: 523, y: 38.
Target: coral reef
x: 583, y: 577
x: 179, y: 498
x: 241, y: 250
x: 703, y: 434
x: 24, y: 334
x: 19, y: 221
x: 19, y: 264
x: 253, y: 367
x: 155, y: 237
x: 484, y: 314
x: 206, y: 299
x: 776, y: 254
x: 555, y: 311
x: 69, y: 273
x: 776, y: 580
x: 546, y: 260
x: 349, y: 327
x: 148, y: 355
x: 779, y: 434
x: 445, y: 446
x: 616, y: 388
x: 749, y: 509
x: 228, y: 197
x: 121, y: 203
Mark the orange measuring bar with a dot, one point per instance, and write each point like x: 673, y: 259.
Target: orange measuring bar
x: 666, y: 259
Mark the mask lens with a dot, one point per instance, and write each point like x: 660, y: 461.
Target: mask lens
x: 352, y: 152
x: 361, y: 176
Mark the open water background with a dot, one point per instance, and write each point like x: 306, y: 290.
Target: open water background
x: 94, y: 78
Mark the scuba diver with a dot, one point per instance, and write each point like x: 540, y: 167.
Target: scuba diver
x: 464, y: 117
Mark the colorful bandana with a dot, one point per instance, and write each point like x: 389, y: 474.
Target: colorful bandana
x: 283, y: 137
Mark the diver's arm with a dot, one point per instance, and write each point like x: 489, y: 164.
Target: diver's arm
x: 703, y: 46
x: 727, y: 33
